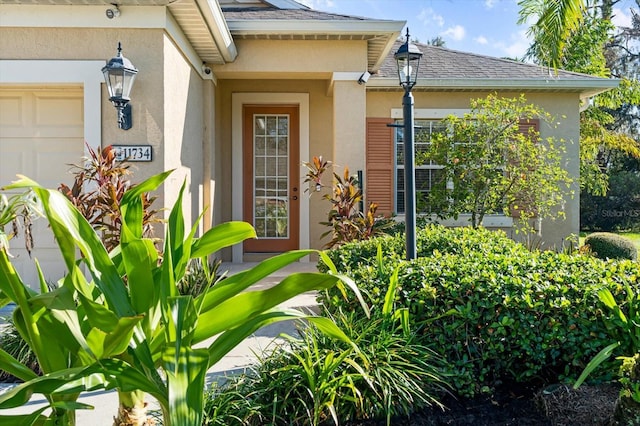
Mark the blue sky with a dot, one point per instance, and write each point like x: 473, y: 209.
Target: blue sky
x: 486, y: 27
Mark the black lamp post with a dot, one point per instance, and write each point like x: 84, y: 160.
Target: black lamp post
x: 119, y: 74
x: 408, y: 59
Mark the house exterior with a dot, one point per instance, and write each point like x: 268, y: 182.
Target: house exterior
x: 235, y: 95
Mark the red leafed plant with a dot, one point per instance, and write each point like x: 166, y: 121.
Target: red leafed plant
x: 346, y: 221
x: 97, y: 192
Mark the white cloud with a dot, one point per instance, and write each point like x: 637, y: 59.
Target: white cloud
x: 457, y: 32
x: 429, y: 16
x: 621, y: 18
x: 481, y: 40
x: 517, y: 45
x: 489, y: 3
x: 318, y: 4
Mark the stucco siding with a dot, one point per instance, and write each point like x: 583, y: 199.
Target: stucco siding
x: 183, y: 131
x: 294, y: 59
x: 167, y: 98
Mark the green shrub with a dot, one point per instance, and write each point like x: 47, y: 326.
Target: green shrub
x: 627, y: 411
x: 605, y: 245
x: 198, y: 277
x: 358, y: 259
x: 14, y: 344
x: 316, y: 378
x: 432, y: 238
x: 495, y: 310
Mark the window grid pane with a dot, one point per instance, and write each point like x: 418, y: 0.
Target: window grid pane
x: 271, y: 176
x: 426, y: 175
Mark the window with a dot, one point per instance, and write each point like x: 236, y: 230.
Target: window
x: 428, y: 175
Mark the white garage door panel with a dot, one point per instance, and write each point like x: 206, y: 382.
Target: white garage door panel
x: 41, y: 134
x: 58, y: 112
x: 12, y: 162
x: 11, y: 113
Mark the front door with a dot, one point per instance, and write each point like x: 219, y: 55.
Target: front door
x: 271, y: 196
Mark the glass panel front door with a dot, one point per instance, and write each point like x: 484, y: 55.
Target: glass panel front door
x: 271, y: 173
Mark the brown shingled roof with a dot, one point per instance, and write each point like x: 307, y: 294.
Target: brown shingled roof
x: 259, y: 13
x: 442, y: 63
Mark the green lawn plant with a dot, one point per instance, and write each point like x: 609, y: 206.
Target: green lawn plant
x: 126, y: 327
x: 626, y: 323
x: 318, y: 380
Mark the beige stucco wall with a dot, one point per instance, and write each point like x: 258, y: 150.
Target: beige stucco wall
x: 183, y: 130
x: 564, y: 107
x: 277, y: 59
x: 171, y: 110
x: 167, y: 97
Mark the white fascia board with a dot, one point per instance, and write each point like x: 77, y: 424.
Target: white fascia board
x: 68, y: 16
x: 585, y: 87
x: 346, y: 27
x: 212, y: 14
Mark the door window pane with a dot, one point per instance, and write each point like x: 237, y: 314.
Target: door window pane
x: 271, y: 176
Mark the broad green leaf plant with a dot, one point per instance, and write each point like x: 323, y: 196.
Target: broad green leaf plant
x: 126, y: 327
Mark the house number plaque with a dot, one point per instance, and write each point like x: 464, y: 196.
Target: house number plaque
x: 133, y: 152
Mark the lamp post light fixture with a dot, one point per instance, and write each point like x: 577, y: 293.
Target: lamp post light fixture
x: 408, y: 59
x: 119, y: 74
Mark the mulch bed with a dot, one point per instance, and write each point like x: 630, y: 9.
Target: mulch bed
x: 556, y: 405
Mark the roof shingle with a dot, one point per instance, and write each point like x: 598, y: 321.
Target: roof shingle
x: 260, y: 13
x: 442, y: 63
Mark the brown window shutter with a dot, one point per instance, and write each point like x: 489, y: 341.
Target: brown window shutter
x: 524, y: 127
x: 380, y: 168
x: 531, y: 123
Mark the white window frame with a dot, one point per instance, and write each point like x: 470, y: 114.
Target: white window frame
x: 490, y: 220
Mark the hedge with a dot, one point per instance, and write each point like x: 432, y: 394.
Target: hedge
x: 495, y: 310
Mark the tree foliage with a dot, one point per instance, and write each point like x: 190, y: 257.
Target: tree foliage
x: 592, y: 45
x: 490, y: 165
x: 555, y: 21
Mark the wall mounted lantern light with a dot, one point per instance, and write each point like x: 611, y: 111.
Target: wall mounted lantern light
x: 119, y: 74
x: 408, y: 59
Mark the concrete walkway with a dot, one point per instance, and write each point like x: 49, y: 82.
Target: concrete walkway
x: 106, y: 403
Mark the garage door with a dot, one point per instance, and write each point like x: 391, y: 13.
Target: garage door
x: 41, y: 134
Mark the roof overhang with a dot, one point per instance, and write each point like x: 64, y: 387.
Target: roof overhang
x: 379, y: 34
x: 201, y: 21
x: 204, y: 25
x: 586, y: 88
